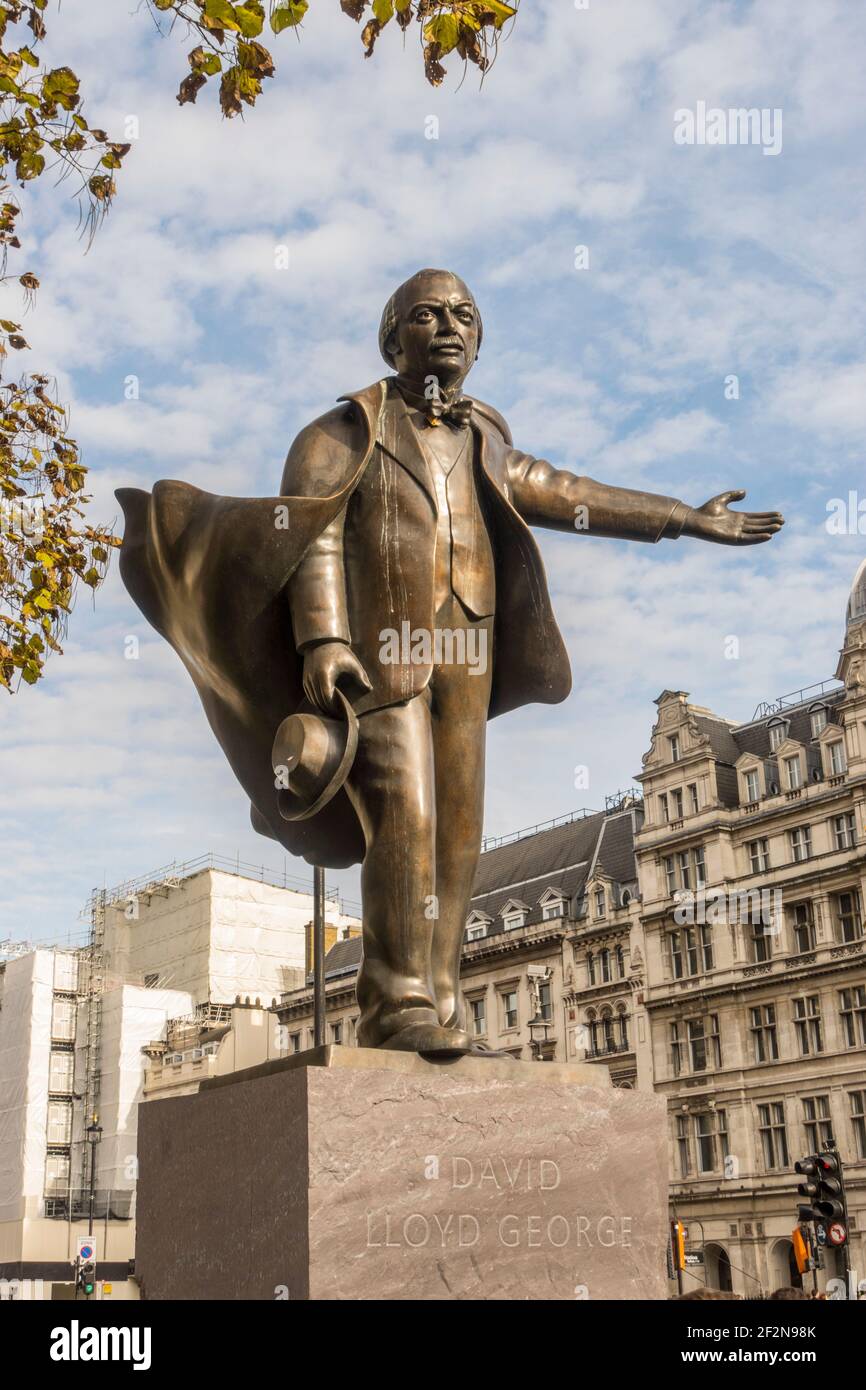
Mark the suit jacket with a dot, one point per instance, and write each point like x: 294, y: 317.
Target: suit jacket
x: 212, y: 575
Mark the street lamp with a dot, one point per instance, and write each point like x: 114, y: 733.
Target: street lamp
x: 538, y: 1031
x: 93, y: 1134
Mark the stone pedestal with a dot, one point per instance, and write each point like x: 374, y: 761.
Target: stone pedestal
x: 345, y: 1173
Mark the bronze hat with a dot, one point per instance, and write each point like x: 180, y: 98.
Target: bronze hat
x: 315, y: 752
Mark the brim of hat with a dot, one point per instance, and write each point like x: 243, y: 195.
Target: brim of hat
x: 295, y: 808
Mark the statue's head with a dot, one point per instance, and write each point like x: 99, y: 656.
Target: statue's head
x: 431, y: 327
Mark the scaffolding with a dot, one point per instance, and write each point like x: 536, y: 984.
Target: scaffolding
x: 92, y: 967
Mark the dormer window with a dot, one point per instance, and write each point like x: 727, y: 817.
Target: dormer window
x: 818, y: 719
x: 514, y: 915
x: 553, y: 908
x: 778, y: 734
x: 477, y: 925
x: 753, y: 785
x: 599, y: 902
x: 836, y: 757
x: 793, y: 774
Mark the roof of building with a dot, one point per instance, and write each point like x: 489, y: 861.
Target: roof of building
x: 559, y: 857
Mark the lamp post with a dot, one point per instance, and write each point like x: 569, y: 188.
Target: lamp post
x: 94, y: 1134
x: 538, y: 1031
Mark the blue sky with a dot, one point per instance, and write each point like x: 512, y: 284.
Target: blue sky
x: 704, y: 261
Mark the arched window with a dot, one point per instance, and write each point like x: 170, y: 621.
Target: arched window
x: 590, y: 967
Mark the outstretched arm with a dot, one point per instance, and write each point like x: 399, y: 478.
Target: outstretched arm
x: 555, y: 498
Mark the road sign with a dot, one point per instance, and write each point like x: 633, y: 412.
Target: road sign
x: 86, y: 1248
x: 836, y: 1233
x: 694, y: 1257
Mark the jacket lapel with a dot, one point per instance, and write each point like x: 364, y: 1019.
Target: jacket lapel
x: 399, y: 438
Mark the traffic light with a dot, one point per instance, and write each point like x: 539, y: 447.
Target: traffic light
x: 801, y: 1241
x: 678, y: 1244
x: 86, y: 1278
x: 825, y: 1189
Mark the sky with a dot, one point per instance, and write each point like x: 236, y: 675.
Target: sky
x: 703, y: 262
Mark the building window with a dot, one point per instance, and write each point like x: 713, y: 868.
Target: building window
x: 677, y: 798
x: 760, y: 941
x: 60, y: 1072
x: 604, y: 964
x: 663, y: 807
x: 63, y: 1020
x: 753, y: 784
x: 801, y: 843
x: 475, y: 931
x: 686, y: 869
x: 622, y: 1020
x: 677, y: 1046
x: 693, y: 798
x: 691, y: 951
x: 295, y: 1040
x: 845, y: 831
x: 763, y: 1029
x: 759, y: 856
x: 513, y: 920
x: 56, y: 1175
x: 599, y: 902
x: 552, y: 909
x: 674, y: 746
x: 337, y: 1032
x: 774, y: 1140
x: 818, y: 720
x: 705, y: 1142
x: 620, y: 963
x: 478, y: 1010
x: 807, y: 1021
x: 836, y: 755
x: 849, y: 916
x: 509, y: 1009
x: 704, y: 1043
x: 59, y: 1123
x: 816, y: 1122
x: 778, y: 734
x: 852, y: 1010
x: 722, y: 1132
x: 545, y: 1003
x: 802, y: 927
x: 683, y: 1145
x: 858, y: 1120
x: 793, y: 776
x: 590, y: 968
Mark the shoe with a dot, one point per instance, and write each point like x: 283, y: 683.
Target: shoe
x: 478, y: 1049
x: 430, y: 1039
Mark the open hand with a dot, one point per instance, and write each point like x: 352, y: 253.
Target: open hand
x: 327, y: 666
x: 715, y: 521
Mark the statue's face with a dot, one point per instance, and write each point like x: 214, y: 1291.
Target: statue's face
x: 437, y: 330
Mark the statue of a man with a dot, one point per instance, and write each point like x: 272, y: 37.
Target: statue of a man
x: 393, y: 587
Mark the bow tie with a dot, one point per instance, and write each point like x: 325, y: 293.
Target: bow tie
x: 456, y: 413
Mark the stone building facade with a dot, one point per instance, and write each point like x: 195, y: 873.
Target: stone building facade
x: 705, y: 940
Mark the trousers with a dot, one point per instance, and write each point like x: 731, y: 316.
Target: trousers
x: 417, y: 785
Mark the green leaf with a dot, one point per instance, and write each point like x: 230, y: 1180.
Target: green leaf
x: 29, y: 57
x: 444, y: 30
x: 29, y: 166
x: 200, y: 60
x: 252, y: 18
x: 287, y: 14
x: 221, y: 12
x: 61, y: 87
x: 383, y: 10
x: 499, y: 11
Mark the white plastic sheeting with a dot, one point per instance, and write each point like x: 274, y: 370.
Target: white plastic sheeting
x: 25, y: 1052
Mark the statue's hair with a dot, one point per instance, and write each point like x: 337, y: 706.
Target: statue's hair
x: 391, y: 317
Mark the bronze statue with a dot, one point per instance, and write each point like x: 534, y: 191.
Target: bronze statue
x: 350, y: 637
